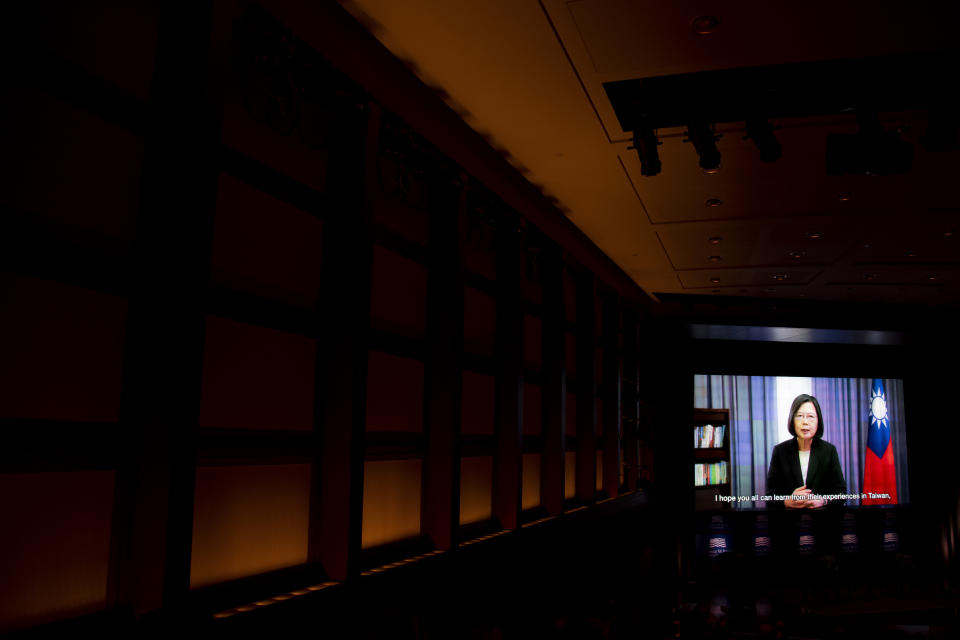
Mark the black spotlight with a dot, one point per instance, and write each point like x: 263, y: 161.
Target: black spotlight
x: 705, y: 143
x: 761, y: 132
x: 645, y: 142
x: 872, y: 151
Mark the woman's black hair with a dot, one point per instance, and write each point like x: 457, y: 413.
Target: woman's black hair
x: 799, y: 400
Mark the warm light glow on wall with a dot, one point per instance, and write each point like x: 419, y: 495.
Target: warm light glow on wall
x: 54, y: 545
x: 391, y: 501
x: 249, y: 520
x: 570, y: 474
x: 531, y: 481
x: 476, y: 483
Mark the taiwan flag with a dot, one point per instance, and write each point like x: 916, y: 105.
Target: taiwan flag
x: 879, y: 474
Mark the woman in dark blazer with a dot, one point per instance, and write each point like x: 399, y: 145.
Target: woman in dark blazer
x: 806, y: 464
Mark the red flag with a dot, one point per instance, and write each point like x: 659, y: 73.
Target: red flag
x: 879, y: 473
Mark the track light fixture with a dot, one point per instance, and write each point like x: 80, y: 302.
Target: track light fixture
x: 645, y: 142
x: 705, y: 143
x: 760, y: 131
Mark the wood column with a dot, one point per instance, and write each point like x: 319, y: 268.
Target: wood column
x: 442, y: 393
x: 153, y: 527
x: 554, y: 395
x: 336, y: 505
x: 586, y: 388
x: 631, y: 414
x: 508, y: 408
x: 611, y: 394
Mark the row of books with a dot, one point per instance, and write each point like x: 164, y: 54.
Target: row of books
x: 708, y: 436
x: 705, y: 475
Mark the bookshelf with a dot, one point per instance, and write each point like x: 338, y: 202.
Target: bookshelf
x: 711, y: 457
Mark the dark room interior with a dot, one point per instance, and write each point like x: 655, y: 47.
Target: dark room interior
x: 388, y: 319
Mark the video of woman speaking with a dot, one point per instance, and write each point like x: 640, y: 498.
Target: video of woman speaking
x: 788, y: 443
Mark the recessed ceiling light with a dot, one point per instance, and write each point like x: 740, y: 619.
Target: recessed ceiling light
x: 711, y: 170
x: 948, y: 234
x: 715, y: 280
x: 814, y: 235
x: 845, y: 197
x: 713, y: 202
x: 779, y: 277
x: 910, y: 254
x: 871, y: 276
x: 714, y: 258
x: 704, y: 25
x: 715, y: 240
x: 931, y: 277
x: 797, y: 254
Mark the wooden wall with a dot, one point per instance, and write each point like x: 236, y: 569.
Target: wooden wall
x: 260, y: 333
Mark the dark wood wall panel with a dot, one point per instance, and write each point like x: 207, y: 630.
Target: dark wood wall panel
x: 106, y: 39
x: 256, y: 378
x: 264, y: 246
x: 71, y: 168
x: 532, y: 409
x: 479, y: 321
x: 479, y: 391
x: 394, y: 393
x: 62, y: 351
x: 398, y: 299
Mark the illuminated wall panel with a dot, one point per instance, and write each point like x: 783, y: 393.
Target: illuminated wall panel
x: 71, y: 168
x: 54, y: 545
x: 249, y: 520
x: 264, y: 246
x: 391, y: 501
x: 476, y: 486
x: 532, y: 408
x: 531, y: 481
x: 570, y: 474
x: 479, y: 392
x: 479, y: 322
x: 398, y: 294
x: 62, y: 351
x: 394, y: 393
x: 256, y: 378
